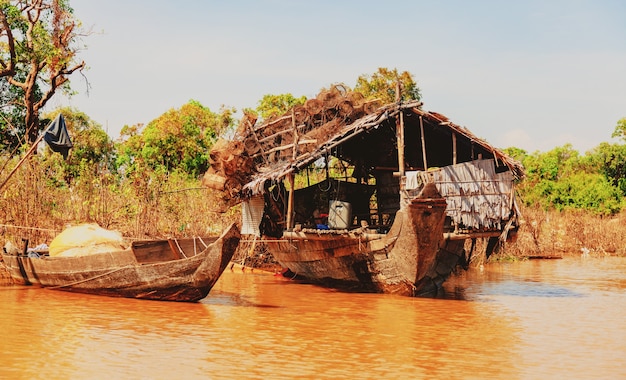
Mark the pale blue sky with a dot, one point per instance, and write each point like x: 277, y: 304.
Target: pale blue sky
x: 533, y: 74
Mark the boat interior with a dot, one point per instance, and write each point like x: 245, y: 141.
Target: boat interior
x: 153, y: 251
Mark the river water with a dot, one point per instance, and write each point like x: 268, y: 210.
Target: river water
x: 538, y: 319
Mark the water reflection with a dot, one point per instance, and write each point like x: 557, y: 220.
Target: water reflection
x: 528, y: 289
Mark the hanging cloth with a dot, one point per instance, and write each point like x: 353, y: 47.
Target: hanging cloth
x: 57, y: 137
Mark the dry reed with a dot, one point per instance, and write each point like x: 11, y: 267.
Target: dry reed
x: 36, y: 205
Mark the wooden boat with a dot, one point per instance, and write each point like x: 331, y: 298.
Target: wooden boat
x: 399, y: 261
x: 338, y: 204
x: 168, y: 270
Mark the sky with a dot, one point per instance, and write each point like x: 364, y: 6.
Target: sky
x: 533, y: 74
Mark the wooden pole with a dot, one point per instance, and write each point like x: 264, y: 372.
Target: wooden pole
x: 290, y: 203
x: 30, y: 151
x: 291, y: 176
x: 400, y: 130
x: 295, y: 135
x: 423, y: 143
x: 453, y: 148
x: 400, y: 136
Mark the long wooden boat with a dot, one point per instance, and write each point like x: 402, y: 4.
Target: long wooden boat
x: 168, y: 270
x: 337, y: 203
x: 400, y: 261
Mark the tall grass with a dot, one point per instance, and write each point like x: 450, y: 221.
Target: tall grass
x: 37, y: 203
x: 554, y: 233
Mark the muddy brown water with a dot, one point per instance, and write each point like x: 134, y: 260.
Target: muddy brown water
x: 538, y: 319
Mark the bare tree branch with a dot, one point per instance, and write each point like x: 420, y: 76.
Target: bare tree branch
x: 8, y: 69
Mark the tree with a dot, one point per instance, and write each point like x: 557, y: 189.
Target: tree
x: 12, y: 129
x: 180, y: 139
x: 620, y: 129
x: 93, y: 149
x: 383, y: 84
x: 275, y: 105
x: 609, y: 160
x: 560, y: 179
x: 517, y: 153
x: 38, y: 53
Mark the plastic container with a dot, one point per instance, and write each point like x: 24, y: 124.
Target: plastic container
x: 339, y: 215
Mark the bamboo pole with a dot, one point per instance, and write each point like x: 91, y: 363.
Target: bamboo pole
x: 256, y: 139
x: 28, y: 153
x: 290, y: 177
x: 294, y: 129
x: 400, y: 136
x: 423, y: 142
x: 290, y: 203
x: 453, y: 148
x: 400, y: 130
x: 470, y: 235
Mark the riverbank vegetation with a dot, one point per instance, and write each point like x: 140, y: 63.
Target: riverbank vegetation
x: 146, y: 183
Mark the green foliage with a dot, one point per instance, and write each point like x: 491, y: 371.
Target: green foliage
x: 585, y: 191
x: 620, y: 129
x: 610, y: 161
x: 551, y: 165
x: 13, y: 113
x: 177, y: 140
x: 276, y: 105
x: 93, y: 149
x: 563, y: 180
x: 517, y: 153
x: 383, y: 83
x: 46, y: 40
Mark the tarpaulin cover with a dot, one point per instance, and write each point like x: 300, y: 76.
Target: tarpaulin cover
x: 57, y: 137
x: 86, y: 239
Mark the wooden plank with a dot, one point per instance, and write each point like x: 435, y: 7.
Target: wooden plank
x: 152, y: 251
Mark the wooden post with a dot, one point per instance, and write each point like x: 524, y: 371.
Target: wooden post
x: 30, y: 151
x: 423, y: 143
x: 290, y: 203
x: 400, y: 137
x: 295, y: 135
x: 453, y: 148
x: 290, y: 177
x: 400, y: 130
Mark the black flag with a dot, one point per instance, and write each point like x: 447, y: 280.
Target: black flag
x: 57, y: 137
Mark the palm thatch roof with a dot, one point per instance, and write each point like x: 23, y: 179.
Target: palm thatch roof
x: 287, y: 144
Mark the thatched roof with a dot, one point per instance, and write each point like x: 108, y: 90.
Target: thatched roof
x: 288, y: 144
x: 279, y: 170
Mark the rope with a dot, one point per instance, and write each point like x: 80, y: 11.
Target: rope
x: 180, y: 249
x: 29, y: 228
x: 181, y: 190
x: 90, y: 279
x: 202, y: 241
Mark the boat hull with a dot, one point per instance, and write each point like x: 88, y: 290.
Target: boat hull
x: 120, y: 274
x: 412, y: 259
